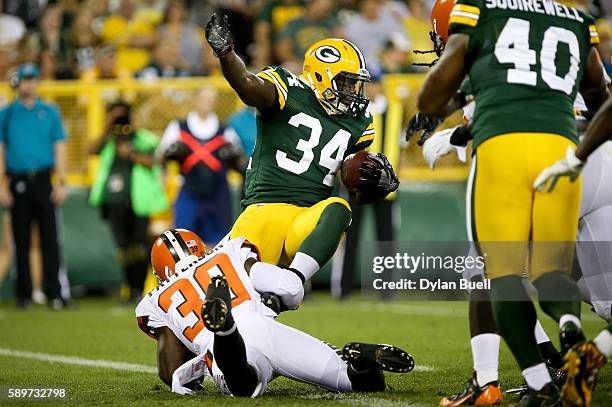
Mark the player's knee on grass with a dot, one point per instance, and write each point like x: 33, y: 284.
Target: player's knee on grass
x: 268, y: 278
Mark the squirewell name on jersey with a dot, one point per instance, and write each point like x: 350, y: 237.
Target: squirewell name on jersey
x: 550, y: 8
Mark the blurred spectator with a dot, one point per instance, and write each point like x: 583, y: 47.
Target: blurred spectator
x: 83, y: 41
x: 394, y: 56
x: 134, y: 37
x: 28, y: 11
x: 204, y: 149
x: 272, y: 19
x: 32, y: 147
x: 48, y: 65
x: 241, y: 14
x: 12, y: 29
x: 188, y: 36
x: 377, y: 22
x: 128, y: 190
x: 605, y: 43
x: 151, y: 11
x: 106, y: 66
x: 418, y: 25
x: 244, y: 123
x: 166, y: 62
x: 299, y: 34
x: 50, y: 34
x: 5, y: 65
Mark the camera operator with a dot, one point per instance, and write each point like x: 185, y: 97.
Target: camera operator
x: 128, y: 190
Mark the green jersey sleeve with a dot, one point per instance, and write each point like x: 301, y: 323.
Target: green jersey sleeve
x: 589, y: 24
x: 277, y: 76
x: 367, y: 136
x: 465, y: 16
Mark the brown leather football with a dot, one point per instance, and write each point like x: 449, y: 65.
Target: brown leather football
x: 349, y: 172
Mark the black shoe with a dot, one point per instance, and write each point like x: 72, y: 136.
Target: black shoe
x: 272, y: 301
x: 58, y: 304
x: 24, y: 304
x: 475, y: 395
x: 217, y: 307
x: 386, y: 357
x: 548, y: 396
x: 556, y: 374
x: 570, y: 335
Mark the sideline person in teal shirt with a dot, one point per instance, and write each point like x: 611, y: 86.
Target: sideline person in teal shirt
x: 32, y: 149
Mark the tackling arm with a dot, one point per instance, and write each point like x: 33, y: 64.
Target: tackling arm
x: 599, y: 131
x: 593, y: 86
x: 171, y: 354
x: 445, y: 77
x: 251, y: 89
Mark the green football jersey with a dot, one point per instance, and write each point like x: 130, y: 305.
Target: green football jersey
x: 525, y: 61
x: 299, y: 147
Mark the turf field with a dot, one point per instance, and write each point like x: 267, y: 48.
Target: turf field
x: 99, y: 331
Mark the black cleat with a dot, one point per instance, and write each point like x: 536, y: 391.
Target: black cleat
x: 475, y: 395
x: 272, y: 301
x: 570, y: 335
x: 548, y: 396
x: 386, y: 357
x: 217, y: 307
x: 557, y: 375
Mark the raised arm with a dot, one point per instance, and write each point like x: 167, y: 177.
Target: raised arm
x: 445, y: 77
x: 251, y: 89
x: 593, y: 86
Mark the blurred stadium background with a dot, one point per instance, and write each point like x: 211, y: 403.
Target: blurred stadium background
x: 93, y: 52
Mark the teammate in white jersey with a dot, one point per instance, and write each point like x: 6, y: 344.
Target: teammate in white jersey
x: 209, y: 320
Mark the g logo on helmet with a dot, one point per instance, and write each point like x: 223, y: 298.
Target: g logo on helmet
x: 327, y: 54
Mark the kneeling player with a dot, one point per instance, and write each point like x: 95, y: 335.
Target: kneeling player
x: 208, y: 319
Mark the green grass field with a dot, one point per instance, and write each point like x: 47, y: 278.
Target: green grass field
x: 434, y: 332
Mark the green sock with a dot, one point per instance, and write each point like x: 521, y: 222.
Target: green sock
x: 558, y: 294
x: 516, y: 319
x: 322, y: 242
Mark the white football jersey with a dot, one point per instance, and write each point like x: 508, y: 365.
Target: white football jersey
x: 177, y: 303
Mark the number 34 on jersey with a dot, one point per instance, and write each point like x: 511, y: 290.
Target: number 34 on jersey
x: 299, y: 146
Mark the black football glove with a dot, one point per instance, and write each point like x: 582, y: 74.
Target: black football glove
x: 377, y: 180
x: 219, y: 36
x: 421, y: 122
x: 177, y: 152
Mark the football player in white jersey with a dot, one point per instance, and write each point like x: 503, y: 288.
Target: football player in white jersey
x: 209, y: 320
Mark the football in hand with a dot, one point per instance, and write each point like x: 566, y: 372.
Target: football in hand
x: 349, y: 172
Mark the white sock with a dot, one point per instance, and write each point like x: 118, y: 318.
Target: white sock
x: 305, y: 265
x: 485, y: 353
x: 603, y: 341
x: 540, y: 333
x: 537, y: 376
x: 569, y: 318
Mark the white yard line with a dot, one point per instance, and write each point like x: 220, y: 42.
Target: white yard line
x: 75, y: 360
x: 108, y: 364
x: 359, y: 400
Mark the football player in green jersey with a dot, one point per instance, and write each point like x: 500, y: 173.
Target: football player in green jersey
x: 306, y: 125
x: 526, y: 59
x: 584, y: 359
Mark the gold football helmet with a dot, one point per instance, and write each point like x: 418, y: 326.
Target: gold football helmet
x: 336, y: 72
